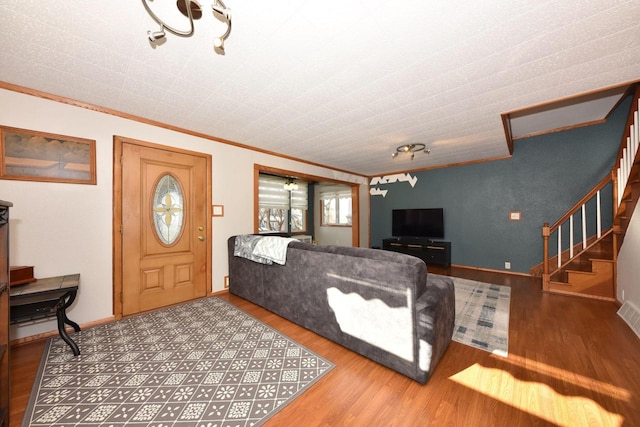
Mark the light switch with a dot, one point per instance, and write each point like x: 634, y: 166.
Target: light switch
x: 217, y: 210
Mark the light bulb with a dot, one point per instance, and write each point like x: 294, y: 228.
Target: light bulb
x: 155, y: 35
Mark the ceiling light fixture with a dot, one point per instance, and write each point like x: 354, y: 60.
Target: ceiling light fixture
x: 154, y: 36
x: 291, y: 185
x: 192, y: 10
x: 411, y: 149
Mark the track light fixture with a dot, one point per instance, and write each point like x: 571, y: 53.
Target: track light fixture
x: 193, y: 11
x: 411, y: 149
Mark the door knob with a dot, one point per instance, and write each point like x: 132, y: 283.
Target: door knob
x: 201, y: 238
x: 201, y: 228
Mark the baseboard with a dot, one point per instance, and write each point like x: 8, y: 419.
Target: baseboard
x: 45, y: 335
x: 490, y: 270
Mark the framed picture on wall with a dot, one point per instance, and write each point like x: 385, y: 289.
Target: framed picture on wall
x: 30, y: 155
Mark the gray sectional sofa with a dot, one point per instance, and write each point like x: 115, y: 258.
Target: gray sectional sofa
x: 380, y: 304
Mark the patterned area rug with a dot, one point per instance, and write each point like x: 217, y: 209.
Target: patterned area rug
x: 482, y: 315
x: 203, y: 363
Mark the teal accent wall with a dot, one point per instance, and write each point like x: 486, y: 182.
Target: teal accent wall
x: 545, y: 176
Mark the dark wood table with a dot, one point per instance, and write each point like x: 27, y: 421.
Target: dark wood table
x: 47, y: 298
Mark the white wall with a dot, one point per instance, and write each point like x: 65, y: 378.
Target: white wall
x: 628, y: 265
x: 67, y: 228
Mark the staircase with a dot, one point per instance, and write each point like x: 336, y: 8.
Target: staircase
x: 584, y: 259
x: 589, y: 273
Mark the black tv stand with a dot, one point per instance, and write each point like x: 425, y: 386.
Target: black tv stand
x: 430, y: 251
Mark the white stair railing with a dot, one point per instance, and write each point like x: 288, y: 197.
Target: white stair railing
x: 589, y: 211
x: 628, y: 154
x: 555, y: 232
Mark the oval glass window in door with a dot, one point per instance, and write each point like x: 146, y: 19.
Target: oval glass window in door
x: 168, y: 209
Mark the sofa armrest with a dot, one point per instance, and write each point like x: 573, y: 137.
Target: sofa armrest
x: 245, y: 276
x: 436, y: 313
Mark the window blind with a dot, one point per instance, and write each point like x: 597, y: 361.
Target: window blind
x: 335, y: 194
x: 299, y: 197
x: 271, y: 194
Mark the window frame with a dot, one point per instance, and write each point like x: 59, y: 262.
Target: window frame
x: 287, y: 209
x: 335, y: 196
x: 357, y: 191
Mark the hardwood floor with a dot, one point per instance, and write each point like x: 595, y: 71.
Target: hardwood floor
x: 571, y: 362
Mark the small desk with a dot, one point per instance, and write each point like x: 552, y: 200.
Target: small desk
x: 46, y: 298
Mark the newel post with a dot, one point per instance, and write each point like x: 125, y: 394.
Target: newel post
x: 546, y: 231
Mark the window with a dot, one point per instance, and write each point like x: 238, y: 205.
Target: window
x: 168, y: 209
x: 336, y: 207
x: 281, y: 210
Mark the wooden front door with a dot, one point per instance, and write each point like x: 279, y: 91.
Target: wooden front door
x: 164, y: 227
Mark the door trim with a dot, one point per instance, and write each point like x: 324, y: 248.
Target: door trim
x: 118, y: 142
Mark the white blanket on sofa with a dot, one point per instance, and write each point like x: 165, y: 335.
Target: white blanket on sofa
x: 262, y: 249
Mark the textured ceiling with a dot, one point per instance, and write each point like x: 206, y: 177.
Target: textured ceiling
x: 340, y: 84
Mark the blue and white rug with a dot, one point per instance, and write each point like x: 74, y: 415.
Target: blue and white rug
x: 203, y: 363
x: 482, y: 315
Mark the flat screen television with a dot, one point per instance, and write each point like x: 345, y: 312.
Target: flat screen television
x: 427, y: 223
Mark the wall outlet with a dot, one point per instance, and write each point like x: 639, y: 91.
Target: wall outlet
x: 507, y: 265
x: 623, y: 295
x: 226, y: 282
